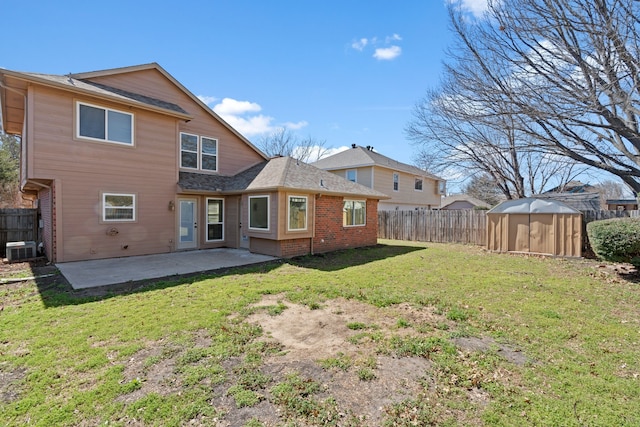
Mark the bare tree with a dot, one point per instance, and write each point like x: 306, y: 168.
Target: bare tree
x: 566, y: 71
x: 283, y: 142
x: 455, y: 135
x: 483, y: 187
x: 9, y: 173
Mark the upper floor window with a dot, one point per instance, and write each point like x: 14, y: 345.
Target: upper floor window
x: 118, y: 207
x: 418, y: 185
x: 297, y: 213
x: 198, y: 152
x: 352, y: 175
x: 104, y: 124
x: 396, y: 180
x: 259, y: 212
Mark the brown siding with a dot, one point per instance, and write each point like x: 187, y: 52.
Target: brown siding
x: 234, y: 155
x: 88, y: 169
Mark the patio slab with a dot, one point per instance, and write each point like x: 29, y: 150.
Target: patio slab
x: 111, y: 271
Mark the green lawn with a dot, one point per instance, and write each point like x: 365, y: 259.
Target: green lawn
x: 69, y: 360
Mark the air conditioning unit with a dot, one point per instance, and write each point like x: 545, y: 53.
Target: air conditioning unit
x: 20, y: 250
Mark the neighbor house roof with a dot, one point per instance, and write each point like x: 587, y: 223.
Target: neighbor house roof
x: 276, y: 174
x: 586, y: 201
x: 532, y: 205
x: 448, y: 200
x: 358, y: 156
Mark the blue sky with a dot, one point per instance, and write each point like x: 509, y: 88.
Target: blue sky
x: 340, y: 71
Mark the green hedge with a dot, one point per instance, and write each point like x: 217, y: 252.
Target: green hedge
x: 616, y: 240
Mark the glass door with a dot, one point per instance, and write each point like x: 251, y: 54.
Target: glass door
x: 188, y: 224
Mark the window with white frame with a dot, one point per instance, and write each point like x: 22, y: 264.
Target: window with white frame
x: 118, y: 207
x: 352, y: 175
x: 297, y: 213
x: 396, y: 182
x: 104, y: 124
x: 198, y: 152
x: 259, y: 212
x: 215, y: 220
x: 354, y: 212
x: 418, y: 184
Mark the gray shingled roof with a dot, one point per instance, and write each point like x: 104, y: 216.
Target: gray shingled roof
x: 278, y: 173
x: 446, y: 201
x: 361, y: 156
x: 104, y: 90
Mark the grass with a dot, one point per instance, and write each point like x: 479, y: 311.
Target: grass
x: 66, y: 360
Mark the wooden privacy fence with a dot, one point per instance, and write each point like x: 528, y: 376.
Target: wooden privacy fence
x: 458, y: 226
x: 17, y: 225
x: 446, y: 226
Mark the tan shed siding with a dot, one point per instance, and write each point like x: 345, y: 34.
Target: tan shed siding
x: 234, y: 155
x: 88, y: 169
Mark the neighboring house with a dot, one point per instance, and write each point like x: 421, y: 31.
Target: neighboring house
x: 407, y: 186
x: 622, y: 204
x: 462, y: 201
x: 581, y: 201
x: 127, y: 162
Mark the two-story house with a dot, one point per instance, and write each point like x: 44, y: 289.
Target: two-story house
x: 127, y: 161
x: 408, y: 187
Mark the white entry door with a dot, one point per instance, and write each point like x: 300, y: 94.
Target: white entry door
x: 188, y: 224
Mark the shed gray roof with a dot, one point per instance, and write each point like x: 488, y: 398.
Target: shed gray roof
x: 361, y: 156
x: 446, y: 201
x: 278, y: 173
x: 532, y: 205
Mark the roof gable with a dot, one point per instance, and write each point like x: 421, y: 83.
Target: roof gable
x: 358, y: 156
x: 276, y: 174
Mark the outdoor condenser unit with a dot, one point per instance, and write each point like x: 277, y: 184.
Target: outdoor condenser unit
x: 20, y: 250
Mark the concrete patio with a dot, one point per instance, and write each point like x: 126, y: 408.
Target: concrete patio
x: 111, y: 271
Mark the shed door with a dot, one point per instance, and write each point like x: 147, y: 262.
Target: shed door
x: 518, y: 233
x: 542, y: 234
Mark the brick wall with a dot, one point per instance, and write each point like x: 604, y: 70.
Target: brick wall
x: 331, y: 235
x: 295, y: 247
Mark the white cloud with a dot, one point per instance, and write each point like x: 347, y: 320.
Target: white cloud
x: 230, y: 106
x: 207, y: 99
x: 360, y: 44
x: 393, y: 38
x: 475, y: 7
x: 295, y: 126
x: 384, y: 49
x: 250, y: 126
x: 387, y: 53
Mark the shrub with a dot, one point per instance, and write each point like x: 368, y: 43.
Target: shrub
x: 616, y: 240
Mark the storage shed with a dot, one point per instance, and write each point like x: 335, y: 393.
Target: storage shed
x: 536, y: 226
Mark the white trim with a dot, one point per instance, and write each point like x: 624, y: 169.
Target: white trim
x: 197, y: 152
x: 415, y: 180
x: 355, y: 172
x: 306, y: 210
x: 207, y: 223
x: 202, y: 153
x: 106, y: 124
x: 364, y: 202
x: 104, y: 207
x: 261, y: 196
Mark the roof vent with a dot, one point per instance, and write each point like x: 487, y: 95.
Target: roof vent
x: 353, y: 145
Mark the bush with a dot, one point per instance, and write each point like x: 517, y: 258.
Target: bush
x: 616, y: 240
